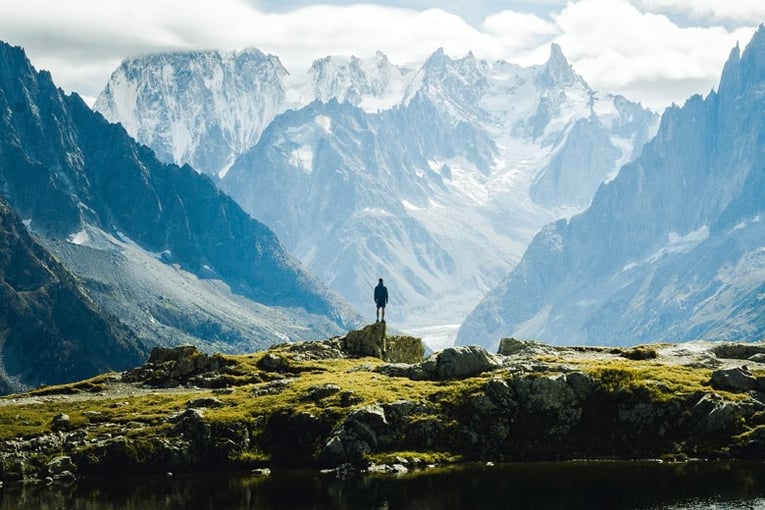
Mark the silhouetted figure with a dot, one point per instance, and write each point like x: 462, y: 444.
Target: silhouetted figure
x: 381, y: 299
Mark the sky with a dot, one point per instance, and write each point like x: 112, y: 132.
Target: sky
x: 657, y: 52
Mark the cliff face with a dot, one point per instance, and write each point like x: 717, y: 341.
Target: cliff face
x: 669, y: 250
x: 157, y: 245
x: 331, y: 403
x: 50, y: 331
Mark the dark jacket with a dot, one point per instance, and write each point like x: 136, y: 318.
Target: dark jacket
x: 381, y: 294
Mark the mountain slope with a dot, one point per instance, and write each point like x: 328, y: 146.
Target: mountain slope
x: 50, y: 331
x: 433, y: 176
x: 73, y: 177
x: 442, y: 193
x: 670, y: 249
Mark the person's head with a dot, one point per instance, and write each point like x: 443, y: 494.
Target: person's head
x: 380, y: 281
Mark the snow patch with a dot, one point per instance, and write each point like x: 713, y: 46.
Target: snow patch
x: 374, y: 211
x: 302, y: 158
x: 410, y: 206
x: 79, y: 238
x: 324, y: 123
x: 677, y: 243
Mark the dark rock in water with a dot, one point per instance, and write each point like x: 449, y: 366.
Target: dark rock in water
x: 358, y: 435
x: 61, y: 469
x: 737, y: 380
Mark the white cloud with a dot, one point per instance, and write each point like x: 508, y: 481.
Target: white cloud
x: 742, y: 12
x: 615, y: 47
x: 520, y: 35
x: 618, y: 46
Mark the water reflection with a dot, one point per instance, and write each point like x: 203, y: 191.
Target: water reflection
x: 574, y: 485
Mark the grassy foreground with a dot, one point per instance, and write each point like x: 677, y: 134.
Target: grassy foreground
x: 313, y: 404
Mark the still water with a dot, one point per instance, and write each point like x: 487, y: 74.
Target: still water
x: 569, y: 485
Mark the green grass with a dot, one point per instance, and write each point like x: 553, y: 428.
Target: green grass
x: 145, y: 416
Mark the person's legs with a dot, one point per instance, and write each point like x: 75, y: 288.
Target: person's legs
x: 383, y: 314
x: 377, y: 314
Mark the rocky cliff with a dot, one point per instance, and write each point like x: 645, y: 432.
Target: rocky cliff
x: 330, y: 403
x: 157, y: 245
x: 670, y: 249
x: 50, y: 330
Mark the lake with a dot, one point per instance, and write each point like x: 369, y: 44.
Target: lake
x: 570, y: 485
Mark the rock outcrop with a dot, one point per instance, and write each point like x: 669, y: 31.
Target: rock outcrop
x: 372, y: 340
x: 315, y: 404
x: 169, y: 367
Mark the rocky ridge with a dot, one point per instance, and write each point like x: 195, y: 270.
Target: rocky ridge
x: 371, y: 401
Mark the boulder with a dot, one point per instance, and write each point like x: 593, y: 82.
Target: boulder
x: 358, y: 435
x: 714, y: 415
x: 551, y: 399
x: 514, y: 347
x: 271, y: 362
x: 173, y: 366
x: 736, y: 380
x: 61, y: 422
x: 461, y: 362
x: 61, y: 468
x: 369, y: 341
x: 731, y: 350
x: 320, y: 392
x: 161, y: 355
x: 404, y: 349
x: 210, y: 402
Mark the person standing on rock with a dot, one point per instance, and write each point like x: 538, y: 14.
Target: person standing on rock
x: 381, y: 299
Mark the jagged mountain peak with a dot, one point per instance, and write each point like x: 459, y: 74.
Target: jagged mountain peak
x: 439, y: 61
x: 232, y: 96
x: 371, y: 83
x: 437, y: 56
x: 669, y: 250
x: 373, y: 151
x: 557, y: 70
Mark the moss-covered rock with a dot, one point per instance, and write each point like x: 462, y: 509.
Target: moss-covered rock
x: 314, y: 404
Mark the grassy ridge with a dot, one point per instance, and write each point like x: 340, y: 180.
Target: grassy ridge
x: 535, y: 407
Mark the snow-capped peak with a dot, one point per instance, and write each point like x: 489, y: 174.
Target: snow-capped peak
x: 370, y: 83
x: 557, y: 71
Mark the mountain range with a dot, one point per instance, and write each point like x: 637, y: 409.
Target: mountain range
x: 671, y: 249
x: 156, y: 245
x: 433, y: 175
